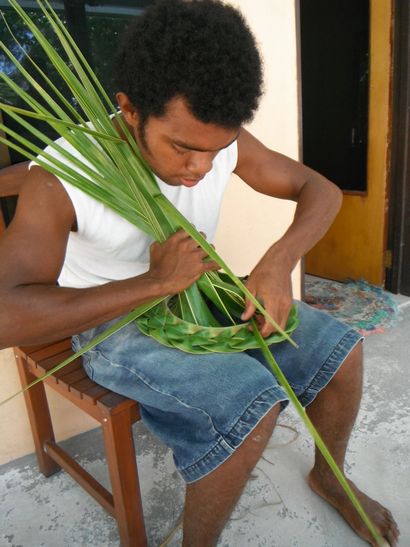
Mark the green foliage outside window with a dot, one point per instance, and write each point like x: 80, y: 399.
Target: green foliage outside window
x: 96, y: 25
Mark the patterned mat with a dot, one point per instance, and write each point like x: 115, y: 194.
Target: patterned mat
x: 367, y: 308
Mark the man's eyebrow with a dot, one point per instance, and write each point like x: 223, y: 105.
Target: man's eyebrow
x: 195, y: 149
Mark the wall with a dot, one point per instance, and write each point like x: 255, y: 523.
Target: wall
x: 249, y: 223
x: 15, y: 431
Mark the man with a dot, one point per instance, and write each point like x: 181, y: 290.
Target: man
x: 189, y: 78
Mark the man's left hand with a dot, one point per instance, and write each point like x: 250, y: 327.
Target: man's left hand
x: 270, y: 282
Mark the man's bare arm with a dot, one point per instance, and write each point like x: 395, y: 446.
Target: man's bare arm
x: 33, y: 309
x: 318, y: 202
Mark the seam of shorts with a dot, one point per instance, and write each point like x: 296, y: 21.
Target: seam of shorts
x: 226, y: 445
x: 158, y: 390
x: 329, y: 368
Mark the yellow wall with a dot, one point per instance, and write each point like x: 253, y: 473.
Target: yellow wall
x: 250, y: 220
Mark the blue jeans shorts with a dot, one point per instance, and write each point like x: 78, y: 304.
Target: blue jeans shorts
x: 204, y: 406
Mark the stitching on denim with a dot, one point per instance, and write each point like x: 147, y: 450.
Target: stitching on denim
x: 259, y: 398
x: 157, y: 390
x: 310, y: 393
x: 190, y: 471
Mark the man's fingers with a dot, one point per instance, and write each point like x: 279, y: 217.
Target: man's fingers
x: 281, y: 320
x: 249, y: 311
x: 180, y: 234
x: 211, y: 265
x: 265, y: 327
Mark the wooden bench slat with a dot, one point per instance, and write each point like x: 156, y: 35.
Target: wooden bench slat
x: 81, y: 386
x: 49, y: 351
x: 71, y: 367
x: 55, y: 377
x: 26, y: 350
x: 94, y: 393
x: 73, y: 377
x: 88, y: 390
x: 47, y: 363
x: 112, y: 401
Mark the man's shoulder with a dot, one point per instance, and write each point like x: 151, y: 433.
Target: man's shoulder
x: 43, y: 191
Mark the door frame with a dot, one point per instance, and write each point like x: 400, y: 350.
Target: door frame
x: 398, y: 271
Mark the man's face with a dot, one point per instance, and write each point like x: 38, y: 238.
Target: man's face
x: 177, y: 146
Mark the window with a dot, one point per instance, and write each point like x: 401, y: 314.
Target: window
x: 95, y: 25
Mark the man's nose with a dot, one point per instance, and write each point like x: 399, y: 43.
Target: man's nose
x: 199, y: 163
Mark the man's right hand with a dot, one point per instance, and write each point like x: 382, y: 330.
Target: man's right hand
x: 34, y: 309
x: 178, y: 262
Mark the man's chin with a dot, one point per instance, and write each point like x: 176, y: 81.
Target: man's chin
x: 189, y: 183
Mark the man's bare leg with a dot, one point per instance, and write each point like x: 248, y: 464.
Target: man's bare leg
x: 210, y: 501
x: 333, y: 413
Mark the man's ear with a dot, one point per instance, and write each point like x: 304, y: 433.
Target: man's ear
x: 127, y: 109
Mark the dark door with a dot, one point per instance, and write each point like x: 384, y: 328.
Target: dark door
x: 335, y: 80
x: 346, y: 60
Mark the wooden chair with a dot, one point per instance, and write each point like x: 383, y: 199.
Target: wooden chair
x: 115, y: 413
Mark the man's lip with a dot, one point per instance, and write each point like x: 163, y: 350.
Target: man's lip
x: 189, y: 182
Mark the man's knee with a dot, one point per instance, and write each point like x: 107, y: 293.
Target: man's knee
x: 264, y: 429
x: 354, y: 361
x: 245, y: 457
x: 351, y: 369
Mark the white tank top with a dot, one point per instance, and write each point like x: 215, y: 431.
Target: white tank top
x: 107, y: 247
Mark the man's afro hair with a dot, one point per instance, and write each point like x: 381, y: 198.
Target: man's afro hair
x: 201, y: 50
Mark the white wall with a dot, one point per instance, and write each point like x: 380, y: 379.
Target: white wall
x: 249, y: 224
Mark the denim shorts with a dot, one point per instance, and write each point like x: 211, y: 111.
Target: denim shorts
x: 204, y: 406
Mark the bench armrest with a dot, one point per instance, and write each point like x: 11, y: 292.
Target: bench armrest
x: 11, y: 179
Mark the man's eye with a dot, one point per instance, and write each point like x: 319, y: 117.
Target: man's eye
x: 180, y: 150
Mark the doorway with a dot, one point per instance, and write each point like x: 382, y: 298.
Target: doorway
x: 346, y: 60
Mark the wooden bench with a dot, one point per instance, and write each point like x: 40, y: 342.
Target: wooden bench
x: 115, y: 413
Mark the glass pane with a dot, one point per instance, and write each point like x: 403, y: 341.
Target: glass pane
x: 335, y: 82
x: 96, y: 27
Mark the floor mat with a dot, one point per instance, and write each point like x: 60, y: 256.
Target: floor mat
x: 367, y: 308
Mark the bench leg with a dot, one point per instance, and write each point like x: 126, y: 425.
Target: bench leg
x: 122, y: 465
x: 39, y: 416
